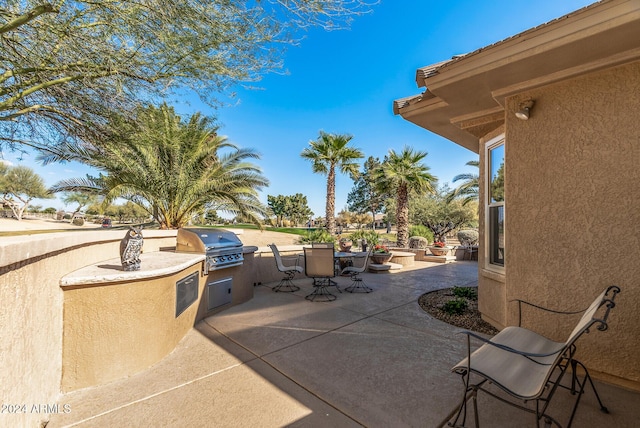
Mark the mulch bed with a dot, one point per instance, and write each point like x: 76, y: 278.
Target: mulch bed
x: 470, y: 319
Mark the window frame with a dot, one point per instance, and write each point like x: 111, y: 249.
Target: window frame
x: 489, y: 205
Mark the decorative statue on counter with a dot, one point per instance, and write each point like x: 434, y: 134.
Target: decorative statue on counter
x: 130, y: 248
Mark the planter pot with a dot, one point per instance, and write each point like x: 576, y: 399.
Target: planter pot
x: 381, y: 258
x: 345, y: 247
x: 439, y: 251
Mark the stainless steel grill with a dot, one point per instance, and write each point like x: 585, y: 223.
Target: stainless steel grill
x: 221, y: 247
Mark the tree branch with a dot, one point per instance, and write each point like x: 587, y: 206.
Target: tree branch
x: 23, y: 19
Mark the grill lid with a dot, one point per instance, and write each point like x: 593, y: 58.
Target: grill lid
x: 202, y: 240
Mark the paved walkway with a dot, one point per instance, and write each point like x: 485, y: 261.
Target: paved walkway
x: 374, y: 360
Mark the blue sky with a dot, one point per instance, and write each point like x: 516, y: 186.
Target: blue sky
x: 345, y: 82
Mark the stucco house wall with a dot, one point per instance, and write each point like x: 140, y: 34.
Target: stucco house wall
x: 572, y: 211
x: 573, y: 208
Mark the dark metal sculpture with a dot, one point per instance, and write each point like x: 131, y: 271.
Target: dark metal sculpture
x: 130, y: 248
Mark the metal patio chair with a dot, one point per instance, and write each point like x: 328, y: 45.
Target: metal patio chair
x: 357, y: 283
x: 527, y: 366
x: 286, y: 284
x: 336, y: 264
x: 319, y: 265
x: 470, y: 248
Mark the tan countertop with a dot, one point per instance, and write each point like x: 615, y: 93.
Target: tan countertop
x: 152, y: 265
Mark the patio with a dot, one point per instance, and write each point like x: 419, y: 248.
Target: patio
x: 375, y: 360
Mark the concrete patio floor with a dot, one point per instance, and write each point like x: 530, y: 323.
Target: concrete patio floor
x: 375, y: 360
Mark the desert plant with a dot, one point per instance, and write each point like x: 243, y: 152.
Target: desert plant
x: 318, y: 235
x: 418, y: 242
x: 466, y: 292
x: 420, y: 230
x: 78, y: 221
x: 370, y: 235
x: 468, y: 236
x: 456, y: 306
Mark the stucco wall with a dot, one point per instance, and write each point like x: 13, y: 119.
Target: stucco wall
x: 573, y: 209
x: 31, y: 312
x: 114, y: 330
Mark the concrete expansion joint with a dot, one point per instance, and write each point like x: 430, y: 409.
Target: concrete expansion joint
x: 151, y: 396
x: 261, y: 358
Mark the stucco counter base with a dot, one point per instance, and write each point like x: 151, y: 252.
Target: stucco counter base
x: 117, y: 323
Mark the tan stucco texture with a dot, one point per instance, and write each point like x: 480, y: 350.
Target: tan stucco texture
x: 573, y: 209
x: 115, y: 330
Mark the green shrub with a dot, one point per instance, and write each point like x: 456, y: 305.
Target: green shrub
x: 419, y: 242
x: 78, y: 221
x: 455, y: 306
x: 420, y: 230
x: 466, y: 292
x: 319, y: 235
x: 371, y: 236
x: 469, y: 237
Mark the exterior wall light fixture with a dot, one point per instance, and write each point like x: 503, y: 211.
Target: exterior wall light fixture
x: 525, y: 108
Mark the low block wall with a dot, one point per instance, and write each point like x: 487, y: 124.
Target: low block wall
x: 33, y: 317
x: 32, y: 310
x: 420, y: 254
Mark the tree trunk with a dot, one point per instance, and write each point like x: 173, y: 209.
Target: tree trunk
x: 331, y: 200
x: 373, y: 222
x: 402, y: 217
x: 18, y: 211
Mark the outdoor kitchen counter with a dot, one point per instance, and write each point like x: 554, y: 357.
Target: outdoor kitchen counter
x: 117, y: 323
x: 152, y: 265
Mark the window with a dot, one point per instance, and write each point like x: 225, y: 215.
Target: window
x: 495, y: 202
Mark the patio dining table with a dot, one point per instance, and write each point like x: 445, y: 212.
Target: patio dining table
x: 341, y: 255
x: 337, y: 256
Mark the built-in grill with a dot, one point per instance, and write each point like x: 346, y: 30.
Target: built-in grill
x: 221, y: 247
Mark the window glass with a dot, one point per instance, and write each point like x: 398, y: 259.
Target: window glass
x: 496, y: 228
x: 495, y: 203
x: 496, y: 162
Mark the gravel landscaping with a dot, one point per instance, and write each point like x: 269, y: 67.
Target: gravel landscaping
x: 470, y: 319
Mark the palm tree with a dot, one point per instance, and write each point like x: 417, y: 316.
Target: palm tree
x: 327, y: 153
x: 403, y: 173
x: 172, y: 168
x: 469, y: 190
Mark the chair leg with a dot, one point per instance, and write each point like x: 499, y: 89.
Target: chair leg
x: 475, y: 410
x: 581, y: 387
x: 286, y: 285
x: 320, y: 291
x: 358, y: 285
x: 460, y: 412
